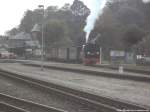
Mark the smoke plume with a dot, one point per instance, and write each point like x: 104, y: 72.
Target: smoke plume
x: 96, y: 10
x: 146, y: 1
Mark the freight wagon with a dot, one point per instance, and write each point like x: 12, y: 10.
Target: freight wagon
x: 63, y: 54
x: 87, y: 54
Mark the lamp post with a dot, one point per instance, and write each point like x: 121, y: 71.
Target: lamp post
x: 42, y: 45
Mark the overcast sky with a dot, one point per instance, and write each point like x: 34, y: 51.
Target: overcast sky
x: 12, y: 10
x: 146, y: 1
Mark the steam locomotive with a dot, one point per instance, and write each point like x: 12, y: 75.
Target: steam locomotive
x: 91, y: 54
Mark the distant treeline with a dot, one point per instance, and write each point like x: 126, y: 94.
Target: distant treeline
x: 124, y: 24
x: 62, y: 26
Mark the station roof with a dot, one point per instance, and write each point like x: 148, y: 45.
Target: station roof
x: 21, y: 36
x: 36, y: 28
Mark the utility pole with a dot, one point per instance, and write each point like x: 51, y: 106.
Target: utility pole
x: 42, y: 46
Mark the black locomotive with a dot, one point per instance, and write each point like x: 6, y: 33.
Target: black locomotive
x: 91, y: 54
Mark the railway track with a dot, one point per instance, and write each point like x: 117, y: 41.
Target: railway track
x: 5, y: 107
x: 138, y: 69
x: 12, y: 104
x: 109, y: 74
x: 140, y: 78
x: 101, y: 103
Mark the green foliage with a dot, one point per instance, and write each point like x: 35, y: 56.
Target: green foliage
x: 54, y: 31
x: 133, y: 35
x: 60, y: 24
x: 12, y: 32
x: 123, y: 24
x: 27, y: 22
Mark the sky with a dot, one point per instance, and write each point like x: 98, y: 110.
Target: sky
x: 146, y: 1
x: 96, y: 9
x: 12, y: 11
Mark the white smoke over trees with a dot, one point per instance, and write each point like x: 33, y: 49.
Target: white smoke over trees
x: 96, y: 10
x: 124, y: 25
x: 146, y: 1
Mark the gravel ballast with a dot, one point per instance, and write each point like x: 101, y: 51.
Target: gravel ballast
x: 138, y: 92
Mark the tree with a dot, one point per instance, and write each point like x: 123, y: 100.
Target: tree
x: 123, y: 24
x: 80, y: 13
x: 69, y: 19
x: 12, y: 32
x: 74, y: 17
x: 54, y: 31
x: 27, y: 22
x: 133, y: 35
x: 79, y: 9
x: 66, y: 7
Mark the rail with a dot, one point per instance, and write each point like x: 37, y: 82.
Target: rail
x: 13, y: 104
x: 104, y: 103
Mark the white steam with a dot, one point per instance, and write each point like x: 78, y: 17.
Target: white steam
x: 96, y: 10
x: 96, y: 7
x: 146, y: 1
